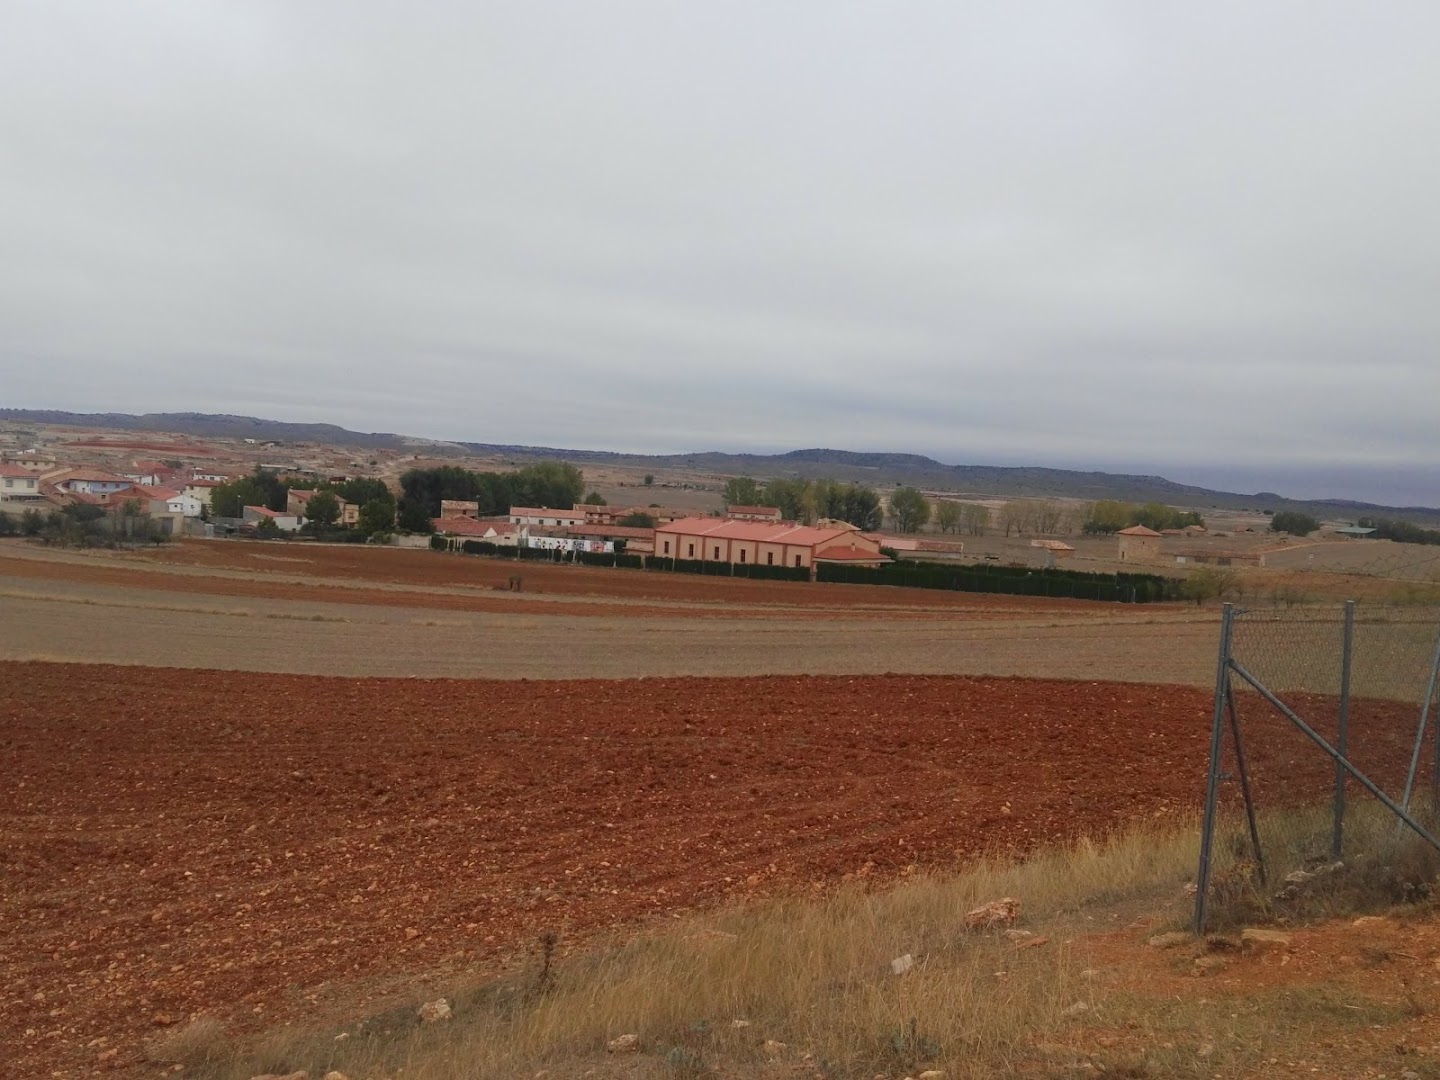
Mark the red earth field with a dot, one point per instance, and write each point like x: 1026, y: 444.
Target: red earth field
x: 255, y: 845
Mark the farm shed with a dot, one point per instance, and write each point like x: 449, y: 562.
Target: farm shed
x: 1138, y: 544
x: 1058, y: 548
x: 452, y: 508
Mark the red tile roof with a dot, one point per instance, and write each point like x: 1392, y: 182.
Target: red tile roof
x: 464, y: 526
x: 846, y: 553
x: 765, y: 532
x: 93, y: 475
x: 624, y: 532
x: 16, y: 471
x: 545, y: 511
x: 265, y: 511
x: 1137, y: 530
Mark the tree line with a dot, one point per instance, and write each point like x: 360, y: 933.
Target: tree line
x: 1402, y: 532
x: 909, y: 510
x: 272, y: 491
x: 546, y: 483
x: 808, y: 501
x: 1110, y: 516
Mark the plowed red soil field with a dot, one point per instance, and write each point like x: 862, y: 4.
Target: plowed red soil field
x: 254, y: 846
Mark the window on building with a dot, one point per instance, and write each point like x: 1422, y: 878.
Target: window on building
x: 667, y: 547
x: 797, y: 562
x: 742, y: 554
x: 769, y: 558
x: 717, y: 551
x: 692, y: 551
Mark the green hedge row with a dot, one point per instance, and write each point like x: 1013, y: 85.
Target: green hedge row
x: 1006, y: 580
x: 1010, y: 580
x: 759, y: 571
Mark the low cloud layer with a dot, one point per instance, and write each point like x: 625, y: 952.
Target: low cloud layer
x: 1198, y: 239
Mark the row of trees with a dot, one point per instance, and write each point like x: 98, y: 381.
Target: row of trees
x: 1402, y: 532
x: 910, y: 511
x: 546, y: 483
x: 1110, y: 516
x: 267, y: 489
x: 808, y: 501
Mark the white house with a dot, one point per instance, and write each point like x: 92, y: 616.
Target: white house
x: 201, y: 490
x: 543, y: 515
x: 91, y: 482
x: 184, y: 505
x: 213, y: 477
x: 18, y: 485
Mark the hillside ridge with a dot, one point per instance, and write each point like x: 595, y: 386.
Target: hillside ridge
x: 872, y: 467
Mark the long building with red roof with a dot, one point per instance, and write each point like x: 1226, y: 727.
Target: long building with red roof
x: 764, y: 543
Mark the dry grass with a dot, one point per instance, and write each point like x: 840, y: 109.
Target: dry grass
x: 812, y: 973
x: 201, y: 1042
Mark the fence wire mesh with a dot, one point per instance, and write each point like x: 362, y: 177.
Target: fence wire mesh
x: 1292, y: 829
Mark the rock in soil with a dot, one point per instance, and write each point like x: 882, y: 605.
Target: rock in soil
x: 1265, y: 940
x: 434, y: 1011
x: 1002, y: 912
x: 624, y: 1044
x: 1172, y: 940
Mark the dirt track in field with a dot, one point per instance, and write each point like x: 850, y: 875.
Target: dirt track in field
x: 177, y: 842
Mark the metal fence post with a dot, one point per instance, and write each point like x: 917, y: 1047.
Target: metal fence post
x: 1420, y: 734
x: 1212, y: 789
x: 1342, y: 735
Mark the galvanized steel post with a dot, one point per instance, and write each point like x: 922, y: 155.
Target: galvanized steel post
x: 1212, y: 789
x: 1342, y: 735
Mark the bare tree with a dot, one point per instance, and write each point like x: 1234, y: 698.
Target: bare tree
x: 975, y: 516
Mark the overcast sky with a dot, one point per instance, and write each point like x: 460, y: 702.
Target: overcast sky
x: 1198, y: 239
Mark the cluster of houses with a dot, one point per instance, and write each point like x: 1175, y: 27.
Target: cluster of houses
x: 743, y: 535
x: 169, y: 495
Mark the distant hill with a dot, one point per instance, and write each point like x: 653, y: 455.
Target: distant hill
x: 870, y: 468
x: 929, y: 474
x: 212, y: 426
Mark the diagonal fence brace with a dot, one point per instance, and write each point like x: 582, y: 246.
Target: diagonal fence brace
x: 1344, y: 762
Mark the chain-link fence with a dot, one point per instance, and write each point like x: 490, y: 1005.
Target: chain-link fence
x: 1324, y: 763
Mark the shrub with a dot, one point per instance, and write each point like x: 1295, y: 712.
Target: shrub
x: 1294, y: 523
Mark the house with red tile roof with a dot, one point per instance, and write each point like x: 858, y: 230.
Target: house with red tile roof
x: 1138, y: 544
x: 493, y: 530
x: 285, y: 522
x: 90, y: 482
x: 754, y: 513
x: 763, y: 543
x: 297, y: 500
x: 19, y: 485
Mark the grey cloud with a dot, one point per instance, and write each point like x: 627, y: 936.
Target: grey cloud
x: 1197, y: 237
